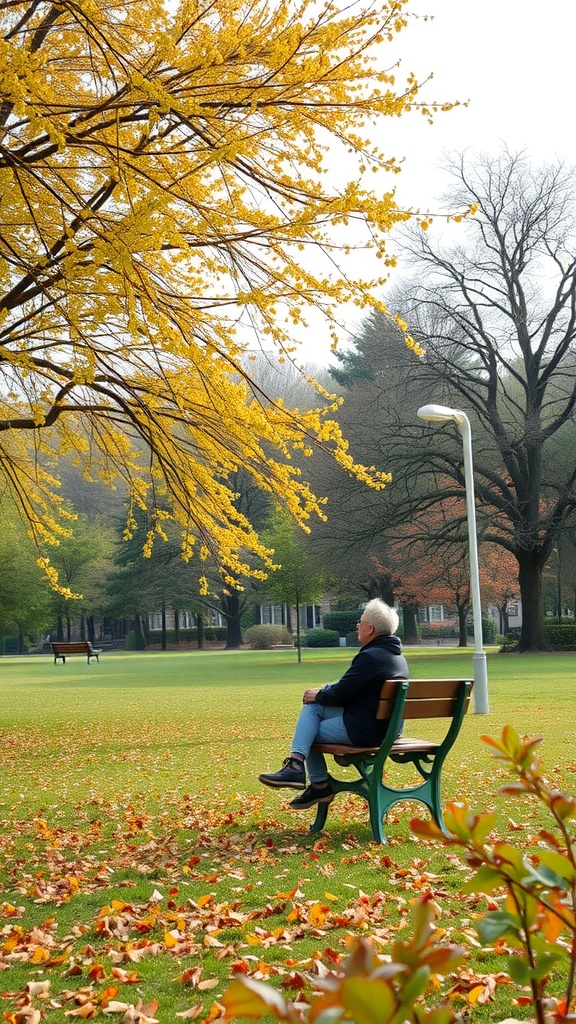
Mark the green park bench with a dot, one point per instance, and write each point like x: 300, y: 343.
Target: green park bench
x: 61, y: 650
x: 402, y: 699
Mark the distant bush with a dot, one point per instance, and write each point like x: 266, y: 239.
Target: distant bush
x: 135, y: 641
x: 430, y: 631
x: 187, y: 635
x: 489, y: 631
x: 212, y: 633
x: 561, y: 637
x: 322, y: 638
x: 443, y: 631
x: 262, y: 638
x: 342, y: 622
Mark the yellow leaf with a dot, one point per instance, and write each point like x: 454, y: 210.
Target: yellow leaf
x: 318, y: 913
x: 40, y: 955
x: 204, y: 900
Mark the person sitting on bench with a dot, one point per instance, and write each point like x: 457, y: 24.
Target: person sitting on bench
x: 343, y: 712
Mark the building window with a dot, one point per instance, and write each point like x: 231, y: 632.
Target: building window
x: 436, y: 613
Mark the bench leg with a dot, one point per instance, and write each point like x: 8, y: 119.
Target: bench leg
x: 381, y: 798
x: 370, y: 789
x: 376, y: 816
x: 320, y: 819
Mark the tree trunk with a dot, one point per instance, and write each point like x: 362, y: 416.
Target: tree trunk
x: 176, y: 626
x: 298, y: 644
x: 410, y: 615
x: 139, y: 631
x: 164, y: 644
x: 200, y: 625
x: 530, y: 568
x: 91, y: 629
x: 232, y: 611
x: 463, y: 625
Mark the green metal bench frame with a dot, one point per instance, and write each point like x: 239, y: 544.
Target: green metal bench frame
x: 402, y: 699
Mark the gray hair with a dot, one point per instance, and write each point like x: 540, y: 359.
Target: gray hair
x: 381, y: 616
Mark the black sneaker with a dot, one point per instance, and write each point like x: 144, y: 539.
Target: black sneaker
x: 291, y: 776
x: 311, y: 796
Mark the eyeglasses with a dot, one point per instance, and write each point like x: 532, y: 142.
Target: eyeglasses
x: 361, y: 622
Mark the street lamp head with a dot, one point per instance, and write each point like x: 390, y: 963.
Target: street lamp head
x: 440, y: 413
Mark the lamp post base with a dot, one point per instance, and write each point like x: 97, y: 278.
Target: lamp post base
x: 480, y: 691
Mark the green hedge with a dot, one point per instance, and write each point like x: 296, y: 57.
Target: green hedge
x: 187, y: 635
x: 558, y: 636
x: 442, y: 632
x: 135, y: 641
x: 154, y: 636
x: 322, y: 638
x: 561, y: 637
x: 342, y: 622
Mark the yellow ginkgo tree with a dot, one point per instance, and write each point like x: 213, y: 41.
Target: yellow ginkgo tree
x: 178, y: 183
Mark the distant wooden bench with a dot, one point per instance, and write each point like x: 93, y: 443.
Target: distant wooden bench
x: 62, y: 650
x: 401, y: 699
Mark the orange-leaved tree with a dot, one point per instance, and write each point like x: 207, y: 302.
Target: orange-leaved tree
x: 429, y: 560
x: 165, y: 204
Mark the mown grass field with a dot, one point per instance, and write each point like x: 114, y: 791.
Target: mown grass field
x: 142, y: 863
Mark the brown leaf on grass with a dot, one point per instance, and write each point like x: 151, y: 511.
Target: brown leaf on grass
x: 478, y: 988
x: 142, y: 1013
x: 125, y: 977
x: 97, y: 973
x: 37, y: 988
x: 191, y: 976
x: 9, y: 910
x: 294, y: 981
x: 192, y: 1013
x: 27, y: 1014
x: 87, y: 1011
x: 332, y: 955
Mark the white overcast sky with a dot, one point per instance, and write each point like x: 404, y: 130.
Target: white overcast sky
x: 515, y: 61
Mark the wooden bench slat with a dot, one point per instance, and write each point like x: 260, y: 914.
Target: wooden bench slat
x: 442, y: 707
x: 420, y: 690
x: 403, y: 743
x: 62, y: 648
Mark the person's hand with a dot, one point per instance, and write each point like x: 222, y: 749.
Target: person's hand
x: 309, y: 696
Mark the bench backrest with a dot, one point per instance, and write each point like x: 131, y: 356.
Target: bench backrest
x: 426, y: 698
x: 81, y: 647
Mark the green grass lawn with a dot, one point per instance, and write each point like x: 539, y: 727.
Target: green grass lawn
x: 139, y: 851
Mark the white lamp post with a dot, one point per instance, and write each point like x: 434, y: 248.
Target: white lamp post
x: 439, y: 414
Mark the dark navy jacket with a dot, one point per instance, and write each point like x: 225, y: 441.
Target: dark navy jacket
x: 358, y: 691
